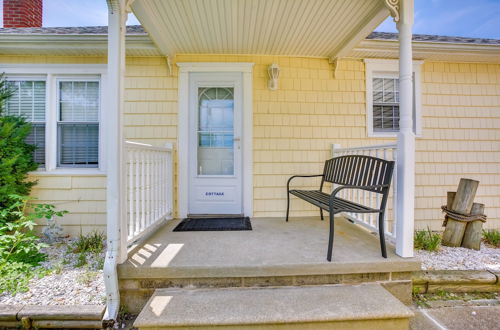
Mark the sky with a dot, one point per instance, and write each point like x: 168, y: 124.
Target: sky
x: 465, y: 18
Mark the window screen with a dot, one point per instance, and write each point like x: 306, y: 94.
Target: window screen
x: 78, y: 123
x: 28, y: 101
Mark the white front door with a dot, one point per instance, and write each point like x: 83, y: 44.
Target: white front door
x: 215, y: 148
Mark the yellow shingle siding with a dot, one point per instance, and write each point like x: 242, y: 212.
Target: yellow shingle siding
x: 461, y: 137
x: 295, y: 126
x: 150, y: 117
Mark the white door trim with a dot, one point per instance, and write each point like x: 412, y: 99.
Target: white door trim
x: 183, y: 130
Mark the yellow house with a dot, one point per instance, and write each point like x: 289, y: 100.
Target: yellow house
x: 291, y: 84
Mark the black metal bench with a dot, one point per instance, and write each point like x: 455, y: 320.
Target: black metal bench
x: 349, y: 172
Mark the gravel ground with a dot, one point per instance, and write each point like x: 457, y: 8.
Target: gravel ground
x: 448, y: 258
x: 67, y: 284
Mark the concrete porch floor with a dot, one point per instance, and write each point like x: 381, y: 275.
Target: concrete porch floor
x: 272, y: 248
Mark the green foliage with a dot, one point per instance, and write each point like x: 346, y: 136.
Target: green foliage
x: 90, y: 244
x: 16, y: 156
x: 427, y: 240
x: 20, y: 248
x: 492, y: 236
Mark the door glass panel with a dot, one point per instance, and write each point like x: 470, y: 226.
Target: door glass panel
x: 215, y: 131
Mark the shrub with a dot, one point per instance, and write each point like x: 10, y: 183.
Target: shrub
x: 16, y: 156
x: 427, y: 240
x: 492, y: 236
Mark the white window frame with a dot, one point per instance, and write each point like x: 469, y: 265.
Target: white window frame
x: 54, y: 73
x: 378, y: 68
x: 75, y: 78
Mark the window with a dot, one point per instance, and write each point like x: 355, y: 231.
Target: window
x: 382, y: 97
x: 385, y: 104
x: 78, y: 123
x: 63, y: 103
x: 29, y: 101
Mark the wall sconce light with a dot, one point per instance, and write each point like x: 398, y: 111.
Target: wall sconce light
x: 274, y: 72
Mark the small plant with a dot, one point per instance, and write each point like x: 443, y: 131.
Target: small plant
x: 20, y: 248
x: 91, y: 244
x: 427, y: 240
x: 492, y: 236
x: 58, y: 267
x: 87, y: 277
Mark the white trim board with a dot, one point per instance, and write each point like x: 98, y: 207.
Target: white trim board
x: 390, y: 68
x: 183, y: 126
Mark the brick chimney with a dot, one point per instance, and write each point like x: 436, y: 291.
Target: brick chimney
x: 22, y: 13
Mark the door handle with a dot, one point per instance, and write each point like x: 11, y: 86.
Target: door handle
x: 237, y: 139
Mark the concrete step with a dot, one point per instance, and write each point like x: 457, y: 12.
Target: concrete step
x: 365, y: 306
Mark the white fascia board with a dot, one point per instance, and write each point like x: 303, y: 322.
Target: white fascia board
x: 423, y: 48
x: 59, y: 69
x: 55, y: 43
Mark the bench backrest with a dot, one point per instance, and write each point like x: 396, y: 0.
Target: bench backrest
x: 357, y: 170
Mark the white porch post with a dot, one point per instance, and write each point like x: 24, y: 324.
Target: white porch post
x: 406, y: 137
x: 113, y: 132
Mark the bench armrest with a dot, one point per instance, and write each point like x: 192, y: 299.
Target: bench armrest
x: 336, y: 190
x: 300, y: 176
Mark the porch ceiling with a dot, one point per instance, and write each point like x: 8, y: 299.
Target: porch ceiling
x: 322, y: 28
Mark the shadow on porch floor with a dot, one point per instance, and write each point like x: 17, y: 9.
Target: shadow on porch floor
x: 272, y: 248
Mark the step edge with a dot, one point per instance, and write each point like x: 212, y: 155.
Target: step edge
x: 403, y: 311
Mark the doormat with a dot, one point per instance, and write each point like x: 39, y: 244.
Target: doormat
x: 214, y: 224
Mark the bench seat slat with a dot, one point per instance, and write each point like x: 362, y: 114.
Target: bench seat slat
x: 321, y: 199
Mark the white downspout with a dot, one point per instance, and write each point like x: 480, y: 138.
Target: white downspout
x: 406, y: 137
x: 116, y: 232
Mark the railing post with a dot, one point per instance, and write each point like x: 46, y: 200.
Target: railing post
x: 170, y: 182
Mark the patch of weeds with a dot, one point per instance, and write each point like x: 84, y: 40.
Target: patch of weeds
x: 427, y: 240
x: 58, y: 267
x: 125, y: 318
x: 423, y: 299
x: 87, y: 246
x: 492, y: 237
x: 82, y: 260
x: 87, y: 277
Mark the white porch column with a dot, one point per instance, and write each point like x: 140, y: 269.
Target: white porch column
x: 406, y: 137
x: 113, y: 133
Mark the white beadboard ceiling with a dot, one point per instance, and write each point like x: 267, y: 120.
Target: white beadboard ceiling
x: 323, y: 28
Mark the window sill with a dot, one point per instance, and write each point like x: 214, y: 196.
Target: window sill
x: 383, y: 134
x: 69, y: 171
x: 388, y: 135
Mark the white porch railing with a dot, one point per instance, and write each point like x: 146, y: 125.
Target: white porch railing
x: 370, y: 221
x: 149, y: 188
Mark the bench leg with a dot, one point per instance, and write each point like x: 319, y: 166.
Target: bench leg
x: 287, y: 204
x: 381, y: 231
x: 321, y: 213
x: 330, y: 238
